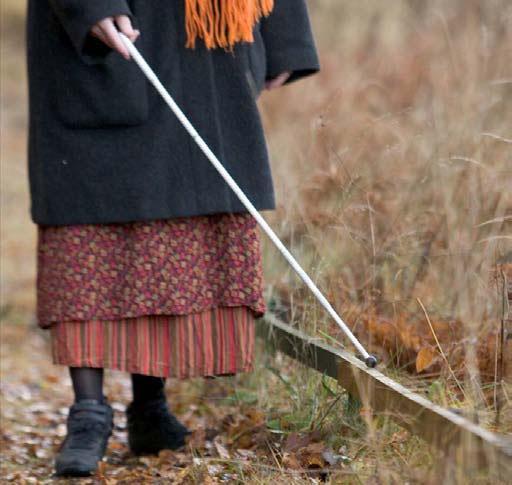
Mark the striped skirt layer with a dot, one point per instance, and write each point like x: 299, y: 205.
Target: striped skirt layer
x: 214, y: 342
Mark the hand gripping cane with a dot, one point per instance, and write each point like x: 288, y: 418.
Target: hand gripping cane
x: 370, y: 360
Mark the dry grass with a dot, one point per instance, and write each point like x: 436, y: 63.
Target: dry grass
x: 394, y: 177
x: 394, y: 172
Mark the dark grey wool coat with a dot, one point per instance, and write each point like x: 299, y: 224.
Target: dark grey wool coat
x: 103, y: 147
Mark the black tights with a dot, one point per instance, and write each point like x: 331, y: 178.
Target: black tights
x: 88, y: 384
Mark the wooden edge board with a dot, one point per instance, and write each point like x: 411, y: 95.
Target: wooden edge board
x: 431, y: 422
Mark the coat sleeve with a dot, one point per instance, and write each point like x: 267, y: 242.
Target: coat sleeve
x: 78, y: 16
x: 289, y: 40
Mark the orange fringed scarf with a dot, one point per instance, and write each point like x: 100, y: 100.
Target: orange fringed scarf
x: 222, y: 23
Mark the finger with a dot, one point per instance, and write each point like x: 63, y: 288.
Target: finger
x: 273, y: 83
x: 278, y: 81
x: 282, y: 78
x: 98, y: 33
x: 286, y: 76
x: 102, y: 31
x: 124, y: 24
x: 110, y: 31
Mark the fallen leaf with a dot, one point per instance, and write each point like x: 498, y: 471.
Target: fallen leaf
x: 197, y: 439
x: 425, y: 358
x: 256, y: 417
x: 400, y: 437
x: 290, y: 461
x: 294, y: 441
x: 53, y: 379
x: 311, y: 456
x: 116, y: 445
x: 221, y: 450
x: 330, y: 457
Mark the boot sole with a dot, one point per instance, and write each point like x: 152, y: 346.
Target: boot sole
x: 140, y: 450
x: 75, y: 472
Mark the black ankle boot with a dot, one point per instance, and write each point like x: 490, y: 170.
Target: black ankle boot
x: 152, y: 427
x: 89, y: 426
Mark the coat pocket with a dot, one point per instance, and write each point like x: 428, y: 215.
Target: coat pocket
x: 113, y: 92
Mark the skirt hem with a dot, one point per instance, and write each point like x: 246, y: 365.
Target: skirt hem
x: 134, y: 369
x: 216, y: 342
x: 257, y: 312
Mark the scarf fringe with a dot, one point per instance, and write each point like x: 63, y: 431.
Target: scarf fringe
x: 222, y: 23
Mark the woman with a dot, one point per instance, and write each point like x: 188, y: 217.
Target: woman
x: 147, y: 262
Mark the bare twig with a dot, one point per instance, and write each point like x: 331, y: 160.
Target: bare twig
x: 497, y: 137
x: 440, y: 348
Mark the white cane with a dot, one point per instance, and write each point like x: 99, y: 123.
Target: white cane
x: 370, y: 360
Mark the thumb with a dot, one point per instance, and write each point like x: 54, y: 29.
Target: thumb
x: 124, y: 25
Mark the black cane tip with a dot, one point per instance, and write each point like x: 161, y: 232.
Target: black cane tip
x: 371, y: 361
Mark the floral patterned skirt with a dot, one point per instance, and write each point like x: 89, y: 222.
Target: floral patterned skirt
x: 167, y: 297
